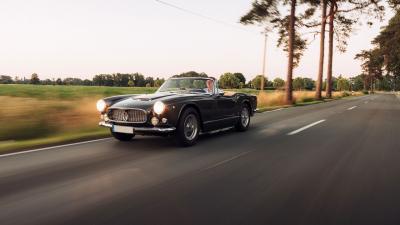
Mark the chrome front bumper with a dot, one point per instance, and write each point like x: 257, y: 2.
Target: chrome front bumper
x: 144, y: 129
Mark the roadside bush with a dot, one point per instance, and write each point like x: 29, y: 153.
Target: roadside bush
x: 303, y: 96
x: 308, y: 99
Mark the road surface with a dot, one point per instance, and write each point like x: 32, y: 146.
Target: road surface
x: 331, y: 163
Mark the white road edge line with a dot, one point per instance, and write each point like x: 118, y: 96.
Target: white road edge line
x: 53, y: 147
x: 351, y: 108
x: 306, y: 127
x: 275, y: 110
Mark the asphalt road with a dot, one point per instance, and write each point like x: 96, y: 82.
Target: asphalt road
x: 331, y: 163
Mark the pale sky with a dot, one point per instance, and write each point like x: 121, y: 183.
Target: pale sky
x: 81, y: 38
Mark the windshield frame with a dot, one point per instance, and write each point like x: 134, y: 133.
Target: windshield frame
x: 214, y: 88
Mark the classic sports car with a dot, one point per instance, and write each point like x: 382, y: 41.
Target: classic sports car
x: 184, y: 107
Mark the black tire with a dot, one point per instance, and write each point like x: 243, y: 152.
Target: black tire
x: 122, y: 136
x: 184, y: 137
x: 244, y: 120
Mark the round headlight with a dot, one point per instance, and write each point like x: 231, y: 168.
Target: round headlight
x: 159, y: 107
x: 101, y: 105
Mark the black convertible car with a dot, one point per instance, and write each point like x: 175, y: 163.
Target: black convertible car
x: 184, y: 107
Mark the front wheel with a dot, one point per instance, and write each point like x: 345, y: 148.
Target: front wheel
x: 244, y: 120
x: 122, y: 136
x: 188, y: 128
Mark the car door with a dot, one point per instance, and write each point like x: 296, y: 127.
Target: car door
x: 226, y: 106
x: 208, y: 107
x: 209, y: 111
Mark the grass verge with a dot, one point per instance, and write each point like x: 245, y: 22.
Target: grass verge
x: 270, y: 108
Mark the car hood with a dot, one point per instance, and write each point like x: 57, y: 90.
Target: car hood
x: 146, y: 101
x: 152, y: 97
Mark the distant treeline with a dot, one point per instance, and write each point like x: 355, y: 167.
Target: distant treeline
x: 226, y: 81
x: 118, y: 80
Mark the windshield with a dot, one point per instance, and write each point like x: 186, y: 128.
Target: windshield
x: 188, y: 85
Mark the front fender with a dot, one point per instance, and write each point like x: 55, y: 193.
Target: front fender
x: 175, y: 111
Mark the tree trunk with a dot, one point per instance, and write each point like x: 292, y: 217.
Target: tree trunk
x: 371, y: 84
x: 318, y: 95
x: 330, y: 56
x: 289, y: 88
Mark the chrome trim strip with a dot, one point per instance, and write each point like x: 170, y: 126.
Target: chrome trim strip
x: 118, y: 121
x: 126, y: 108
x: 228, y: 118
x: 216, y: 131
x: 156, y: 129
x: 145, y: 129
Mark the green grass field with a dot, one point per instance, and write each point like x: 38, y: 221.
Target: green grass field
x: 47, y: 92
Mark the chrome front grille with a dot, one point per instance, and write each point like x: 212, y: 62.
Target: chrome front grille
x: 127, y: 115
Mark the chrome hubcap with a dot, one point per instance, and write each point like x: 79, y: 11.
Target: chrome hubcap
x: 190, y: 127
x: 244, y: 116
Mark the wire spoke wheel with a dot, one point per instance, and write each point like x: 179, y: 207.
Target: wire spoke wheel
x: 245, y: 117
x: 190, y: 127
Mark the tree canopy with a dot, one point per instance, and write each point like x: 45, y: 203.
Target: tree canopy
x: 388, y: 45
x: 383, y: 57
x: 229, y: 80
x: 278, y: 83
x: 35, y: 79
x: 256, y: 82
x: 191, y: 74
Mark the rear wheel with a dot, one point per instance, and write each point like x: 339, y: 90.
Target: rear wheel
x: 122, y: 136
x: 188, y: 128
x: 244, y: 120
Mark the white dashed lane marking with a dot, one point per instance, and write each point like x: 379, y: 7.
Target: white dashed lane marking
x: 305, y: 127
